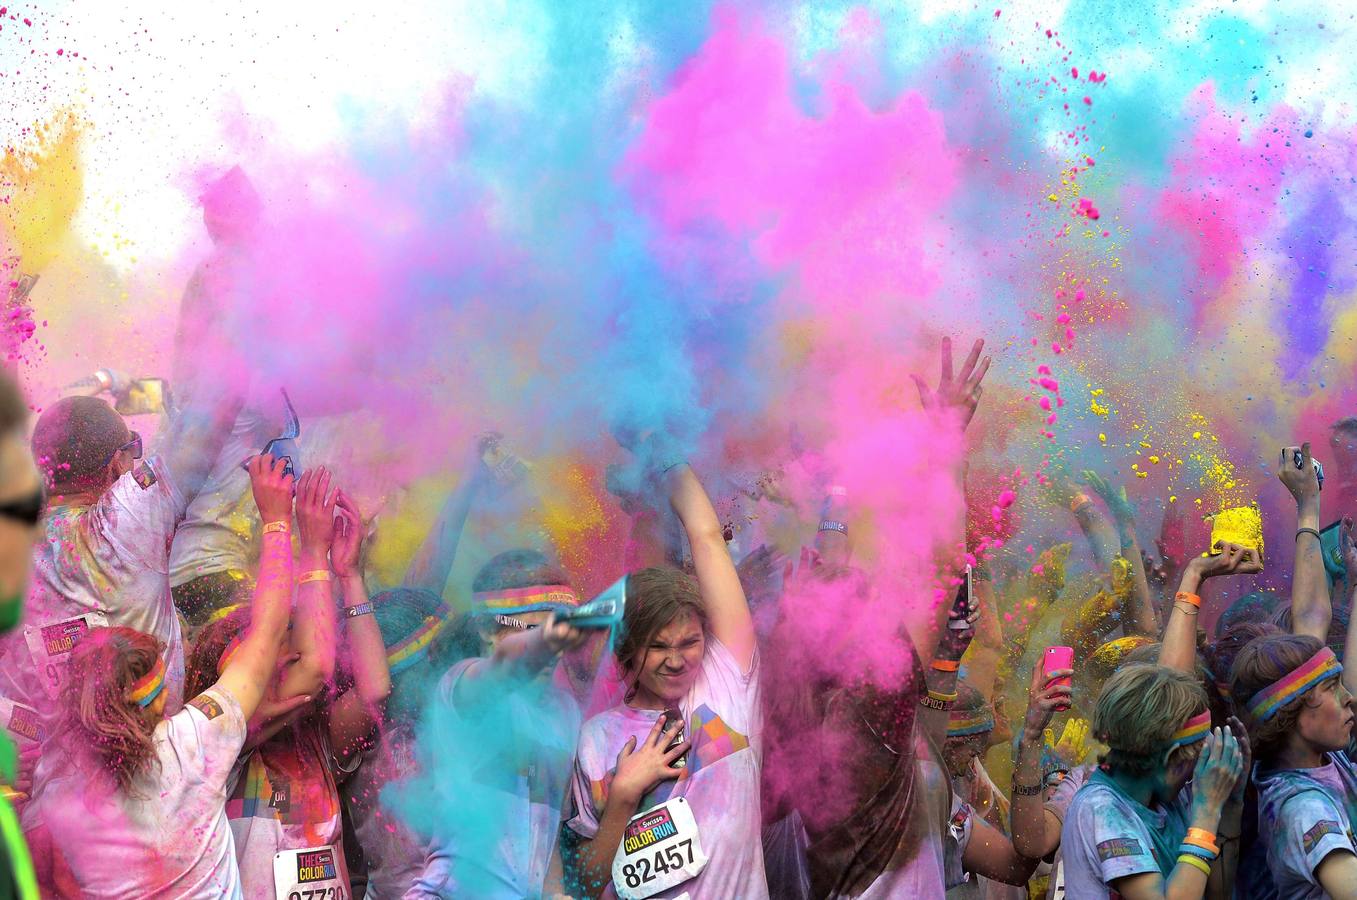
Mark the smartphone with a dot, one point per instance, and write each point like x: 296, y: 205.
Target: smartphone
x: 604, y: 611
x: 672, y: 715
x: 1299, y: 459
x: 1331, y: 545
x: 962, y: 604
x: 501, y: 462
x: 1242, y: 525
x: 1054, y: 659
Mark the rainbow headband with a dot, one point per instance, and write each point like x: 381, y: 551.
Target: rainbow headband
x: 410, y: 650
x: 1193, y: 730
x: 962, y: 722
x: 146, y: 688
x: 536, y: 598
x: 1320, y: 667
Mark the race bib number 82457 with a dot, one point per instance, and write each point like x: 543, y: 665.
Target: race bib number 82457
x: 660, y: 849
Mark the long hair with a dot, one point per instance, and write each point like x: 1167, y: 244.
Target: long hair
x: 96, y: 713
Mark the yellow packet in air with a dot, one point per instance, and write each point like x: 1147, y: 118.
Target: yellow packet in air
x: 1242, y: 525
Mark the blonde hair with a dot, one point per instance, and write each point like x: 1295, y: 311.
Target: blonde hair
x: 104, y: 665
x: 1139, y: 709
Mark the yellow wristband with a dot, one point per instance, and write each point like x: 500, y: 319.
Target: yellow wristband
x: 1196, y: 863
x: 279, y: 527
x: 941, y: 697
x: 315, y: 575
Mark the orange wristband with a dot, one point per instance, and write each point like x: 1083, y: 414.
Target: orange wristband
x: 1079, y: 502
x: 947, y: 665
x: 1195, y: 601
x: 315, y: 575
x: 280, y: 527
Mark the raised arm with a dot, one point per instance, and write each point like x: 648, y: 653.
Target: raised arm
x: 1140, y: 615
x: 314, y: 631
x: 1036, y: 830
x: 722, y: 594
x: 517, y: 658
x: 250, y: 669
x: 1349, y: 546
x: 1178, y: 650
x: 196, y: 434
x: 1311, y: 610
x: 354, y: 717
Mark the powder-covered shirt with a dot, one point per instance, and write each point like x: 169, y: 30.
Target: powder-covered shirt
x: 220, y: 528
x: 395, y: 856
x: 946, y: 823
x: 103, y: 564
x: 723, y: 720
x: 283, y: 796
x: 1103, y: 839
x: 1059, y: 805
x: 1303, y: 816
x: 167, y: 836
x: 519, y: 794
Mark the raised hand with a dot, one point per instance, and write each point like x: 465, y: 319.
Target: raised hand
x: 1073, y: 747
x: 953, y: 641
x: 316, y: 511
x: 272, y: 488
x: 1045, y: 697
x: 1218, y: 771
x: 640, y: 768
x: 1302, y: 482
x: 1123, y: 511
x: 348, y: 535
x: 1233, y: 559
x: 960, y: 392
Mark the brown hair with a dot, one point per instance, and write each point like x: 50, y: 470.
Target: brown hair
x: 1263, y: 662
x: 104, y: 665
x: 655, y: 597
x: 1140, y: 708
x: 200, y: 668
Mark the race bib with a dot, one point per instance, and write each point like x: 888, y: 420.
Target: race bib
x: 660, y: 850
x: 21, y: 721
x: 311, y: 874
x: 50, y: 646
x: 1058, y: 880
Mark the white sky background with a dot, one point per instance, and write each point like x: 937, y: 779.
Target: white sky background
x: 155, y: 79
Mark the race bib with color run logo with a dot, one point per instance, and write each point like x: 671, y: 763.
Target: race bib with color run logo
x: 660, y: 850
x: 50, y: 646
x: 310, y: 874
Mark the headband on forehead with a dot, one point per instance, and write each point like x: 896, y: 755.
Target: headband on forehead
x: 965, y: 722
x: 415, y: 646
x: 147, y: 687
x: 1193, y: 730
x: 536, y: 598
x: 1320, y: 667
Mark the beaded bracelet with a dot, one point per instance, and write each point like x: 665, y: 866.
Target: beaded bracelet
x: 1196, y: 863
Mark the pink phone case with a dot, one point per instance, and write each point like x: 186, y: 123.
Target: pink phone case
x: 1058, y: 658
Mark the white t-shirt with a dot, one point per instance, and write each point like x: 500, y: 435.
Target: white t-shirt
x: 167, y: 836
x: 219, y: 531
x: 519, y: 793
x: 395, y: 856
x: 1303, y: 816
x: 282, y: 796
x: 105, y: 564
x: 724, y: 721
x: 1104, y: 839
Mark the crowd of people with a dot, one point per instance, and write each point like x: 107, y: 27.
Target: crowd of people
x: 207, y: 693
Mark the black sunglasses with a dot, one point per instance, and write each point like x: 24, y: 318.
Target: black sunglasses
x: 26, y: 510
x: 284, y: 446
x: 134, y: 445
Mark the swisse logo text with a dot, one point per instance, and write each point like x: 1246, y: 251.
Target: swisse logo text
x: 315, y: 865
x: 648, y: 830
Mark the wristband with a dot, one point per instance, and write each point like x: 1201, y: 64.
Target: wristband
x: 1300, y: 531
x: 1188, y: 597
x: 1199, y: 864
x: 1079, y: 502
x: 945, y: 698
x: 946, y: 665
x: 1199, y: 852
x: 1208, y: 836
x: 315, y: 575
x: 1203, y: 839
x: 832, y: 525
x: 280, y: 527
x: 927, y: 700
x: 1026, y: 790
x: 361, y: 609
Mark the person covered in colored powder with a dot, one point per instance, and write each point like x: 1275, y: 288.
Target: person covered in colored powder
x: 140, y: 808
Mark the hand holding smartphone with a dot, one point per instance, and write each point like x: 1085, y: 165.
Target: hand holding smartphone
x: 1053, y: 660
